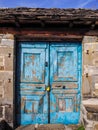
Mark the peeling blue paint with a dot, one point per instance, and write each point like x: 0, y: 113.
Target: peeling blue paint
x: 63, y: 74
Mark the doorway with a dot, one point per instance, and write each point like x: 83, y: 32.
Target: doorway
x: 48, y: 86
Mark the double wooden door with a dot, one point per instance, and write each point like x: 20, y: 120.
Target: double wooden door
x: 48, y: 87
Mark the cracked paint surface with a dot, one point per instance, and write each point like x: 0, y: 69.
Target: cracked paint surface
x: 62, y: 74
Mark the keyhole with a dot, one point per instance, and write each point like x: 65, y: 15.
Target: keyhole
x: 64, y: 87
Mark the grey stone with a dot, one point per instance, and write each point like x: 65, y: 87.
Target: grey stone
x: 5, y: 126
x: 9, y: 113
x: 8, y: 36
x: 90, y: 39
x: 27, y: 127
x: 1, y: 111
x: 7, y: 42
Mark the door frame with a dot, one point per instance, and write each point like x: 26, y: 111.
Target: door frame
x: 15, y: 72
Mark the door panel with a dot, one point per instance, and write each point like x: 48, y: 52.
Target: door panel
x: 32, y: 96
x: 65, y: 82
x: 64, y: 67
x: 33, y: 65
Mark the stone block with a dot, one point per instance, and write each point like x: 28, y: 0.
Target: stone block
x: 9, y: 113
x: 51, y: 126
x: 89, y: 39
x: 96, y: 126
x: 92, y: 116
x: 1, y: 89
x: 6, y: 79
x: 7, y: 42
x: 6, y: 58
x: 8, y: 36
x: 90, y: 65
x: 27, y: 127
x: 1, y: 111
x: 90, y: 57
x: 4, y: 125
x: 91, y: 105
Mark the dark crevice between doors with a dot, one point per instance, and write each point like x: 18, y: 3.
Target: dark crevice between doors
x: 49, y: 107
x: 49, y: 86
x: 17, y: 76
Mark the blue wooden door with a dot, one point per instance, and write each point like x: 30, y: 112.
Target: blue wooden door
x: 65, y: 82
x: 32, y: 81
x: 48, y: 83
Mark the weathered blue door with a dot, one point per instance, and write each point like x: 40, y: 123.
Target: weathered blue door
x: 43, y: 67
x: 32, y: 81
x: 65, y: 82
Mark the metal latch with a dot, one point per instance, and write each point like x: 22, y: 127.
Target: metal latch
x: 48, y: 88
x: 46, y: 64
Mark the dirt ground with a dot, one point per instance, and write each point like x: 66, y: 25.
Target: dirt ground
x: 48, y: 127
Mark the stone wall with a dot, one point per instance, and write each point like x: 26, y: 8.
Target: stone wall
x: 90, y: 66
x: 6, y: 77
x: 90, y: 72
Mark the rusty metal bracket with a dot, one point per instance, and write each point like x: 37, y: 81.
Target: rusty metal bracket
x: 9, y: 55
x: 86, y: 75
x: 9, y: 80
x: 87, y: 52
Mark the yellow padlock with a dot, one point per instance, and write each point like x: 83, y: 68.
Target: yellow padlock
x: 48, y: 88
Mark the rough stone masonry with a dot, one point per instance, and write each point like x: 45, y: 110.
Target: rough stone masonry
x: 6, y: 77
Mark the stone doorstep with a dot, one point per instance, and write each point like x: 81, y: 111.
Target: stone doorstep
x: 96, y: 127
x: 56, y: 127
x: 92, y: 116
x: 48, y: 127
x: 91, y: 106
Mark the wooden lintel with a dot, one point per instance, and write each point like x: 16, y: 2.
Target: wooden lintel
x: 42, y: 23
x: 48, y: 31
x: 43, y: 37
x: 17, y: 22
x: 71, y: 24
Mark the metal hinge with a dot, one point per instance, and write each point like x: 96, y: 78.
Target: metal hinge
x: 87, y: 52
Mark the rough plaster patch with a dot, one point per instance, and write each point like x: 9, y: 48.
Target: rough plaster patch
x: 91, y: 70
x: 8, y: 36
x: 7, y: 42
x: 96, y: 85
x: 3, y: 112
x: 90, y: 39
x: 95, y: 61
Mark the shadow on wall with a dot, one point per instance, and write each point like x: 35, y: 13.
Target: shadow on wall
x: 4, y: 125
